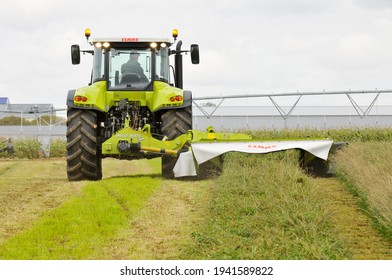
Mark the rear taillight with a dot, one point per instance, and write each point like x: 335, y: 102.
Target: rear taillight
x: 177, y: 98
x: 79, y: 98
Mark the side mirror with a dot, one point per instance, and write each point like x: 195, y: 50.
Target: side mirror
x: 75, y: 54
x: 195, y: 54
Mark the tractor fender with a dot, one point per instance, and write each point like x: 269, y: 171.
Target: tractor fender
x: 187, y: 99
x: 70, y: 98
x: 70, y: 101
x: 187, y: 102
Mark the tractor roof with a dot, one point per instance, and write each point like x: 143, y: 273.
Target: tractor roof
x: 132, y: 40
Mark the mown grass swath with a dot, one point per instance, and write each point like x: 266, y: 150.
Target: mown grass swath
x: 82, y: 225
x: 266, y: 208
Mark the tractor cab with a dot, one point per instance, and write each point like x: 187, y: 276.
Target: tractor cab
x: 133, y: 64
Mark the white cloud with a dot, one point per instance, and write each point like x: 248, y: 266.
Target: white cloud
x: 374, y: 4
x: 248, y: 46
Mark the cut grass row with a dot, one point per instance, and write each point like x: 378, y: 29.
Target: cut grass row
x: 84, y: 223
x: 265, y: 207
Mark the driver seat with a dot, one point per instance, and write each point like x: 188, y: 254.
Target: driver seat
x: 130, y: 78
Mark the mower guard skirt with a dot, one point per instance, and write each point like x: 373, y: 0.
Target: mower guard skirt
x: 205, y: 151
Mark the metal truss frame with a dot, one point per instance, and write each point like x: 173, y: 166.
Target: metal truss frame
x: 285, y: 115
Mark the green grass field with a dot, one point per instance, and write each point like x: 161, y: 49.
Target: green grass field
x: 260, y: 207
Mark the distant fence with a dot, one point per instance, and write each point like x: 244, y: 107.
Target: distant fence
x: 356, y: 109
x: 33, y: 131
x: 267, y: 117
x: 246, y: 117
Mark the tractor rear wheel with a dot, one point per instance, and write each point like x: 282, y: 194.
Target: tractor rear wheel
x: 84, y: 158
x: 174, y: 123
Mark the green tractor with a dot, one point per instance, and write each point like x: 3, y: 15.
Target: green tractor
x: 130, y: 109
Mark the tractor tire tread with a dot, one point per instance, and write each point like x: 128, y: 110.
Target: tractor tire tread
x: 174, y: 123
x: 84, y: 160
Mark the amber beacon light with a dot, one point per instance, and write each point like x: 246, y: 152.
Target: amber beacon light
x: 175, y: 34
x: 87, y: 33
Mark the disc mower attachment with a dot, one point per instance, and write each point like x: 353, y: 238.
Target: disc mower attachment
x: 204, y: 151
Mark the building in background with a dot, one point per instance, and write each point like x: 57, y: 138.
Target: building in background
x: 4, y: 103
x: 27, y: 111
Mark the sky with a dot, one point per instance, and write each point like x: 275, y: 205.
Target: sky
x: 246, y: 47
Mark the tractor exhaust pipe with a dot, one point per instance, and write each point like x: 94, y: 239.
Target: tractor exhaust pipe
x: 178, y: 66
